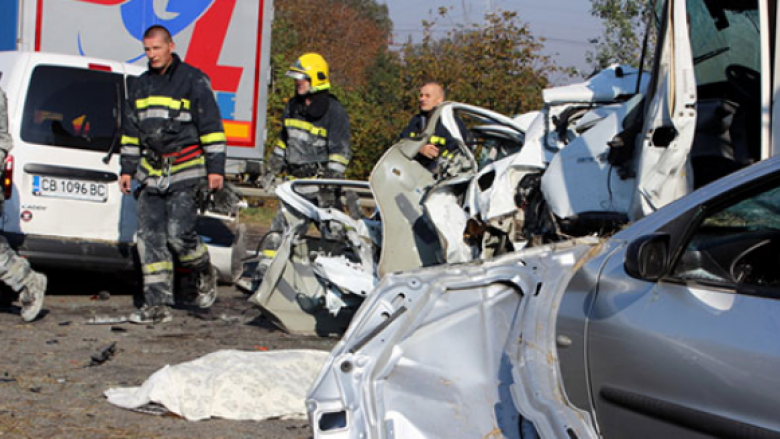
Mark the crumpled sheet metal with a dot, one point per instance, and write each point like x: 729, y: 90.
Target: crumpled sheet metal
x: 430, y: 353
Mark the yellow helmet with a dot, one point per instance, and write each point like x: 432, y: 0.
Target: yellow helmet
x: 311, y: 66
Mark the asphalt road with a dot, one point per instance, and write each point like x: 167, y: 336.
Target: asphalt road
x: 48, y: 390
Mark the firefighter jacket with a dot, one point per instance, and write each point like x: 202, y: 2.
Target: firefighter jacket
x: 314, y: 139
x: 172, y: 130
x: 441, y: 137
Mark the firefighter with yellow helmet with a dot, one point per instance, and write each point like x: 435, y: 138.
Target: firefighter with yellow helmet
x: 314, y: 141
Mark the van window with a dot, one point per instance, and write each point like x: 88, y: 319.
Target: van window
x: 72, y: 108
x: 724, y: 35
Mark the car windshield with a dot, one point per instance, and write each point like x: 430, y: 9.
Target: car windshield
x: 761, y: 212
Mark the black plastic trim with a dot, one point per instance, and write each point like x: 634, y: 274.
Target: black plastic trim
x: 75, y: 173
x: 697, y: 420
x: 79, y: 254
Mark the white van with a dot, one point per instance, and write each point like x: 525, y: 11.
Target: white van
x: 63, y: 204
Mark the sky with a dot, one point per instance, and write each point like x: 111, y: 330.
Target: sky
x: 566, y: 24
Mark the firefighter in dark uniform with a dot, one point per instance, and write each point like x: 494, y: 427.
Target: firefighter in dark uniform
x: 442, y: 143
x: 314, y: 141
x: 15, y: 271
x: 173, y: 144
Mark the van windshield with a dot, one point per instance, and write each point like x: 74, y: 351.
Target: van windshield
x: 724, y: 39
x: 72, y: 108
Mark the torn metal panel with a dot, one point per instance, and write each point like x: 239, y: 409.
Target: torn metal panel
x: 449, y: 218
x: 538, y: 388
x: 664, y: 170
x: 312, y: 286
x: 428, y: 353
x: 606, y: 86
x: 581, y: 180
x: 398, y: 183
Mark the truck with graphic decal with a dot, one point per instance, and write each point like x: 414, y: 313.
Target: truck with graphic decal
x: 229, y: 40
x: 65, y: 66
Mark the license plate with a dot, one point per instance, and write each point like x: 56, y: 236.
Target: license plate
x: 69, y: 188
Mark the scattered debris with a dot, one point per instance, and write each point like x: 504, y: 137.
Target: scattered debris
x: 103, y: 355
x: 66, y: 323
x: 153, y: 409
x: 53, y: 341
x: 103, y: 295
x: 118, y: 329
x: 106, y: 320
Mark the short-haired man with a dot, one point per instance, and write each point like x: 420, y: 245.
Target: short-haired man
x: 173, y: 143
x: 442, y: 142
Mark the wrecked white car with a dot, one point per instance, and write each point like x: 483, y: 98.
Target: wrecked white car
x: 314, y: 283
x: 464, y: 208
x: 501, y: 208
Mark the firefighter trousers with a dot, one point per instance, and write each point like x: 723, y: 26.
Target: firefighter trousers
x: 15, y: 271
x: 166, y: 228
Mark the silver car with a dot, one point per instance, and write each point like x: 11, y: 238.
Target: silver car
x: 668, y: 329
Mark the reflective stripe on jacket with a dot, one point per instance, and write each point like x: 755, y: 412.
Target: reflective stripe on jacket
x: 324, y: 141
x: 172, y: 128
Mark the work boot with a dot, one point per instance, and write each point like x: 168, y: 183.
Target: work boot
x: 207, y: 288
x: 151, y: 315
x: 31, y: 296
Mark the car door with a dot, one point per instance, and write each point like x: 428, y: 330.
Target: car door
x: 64, y: 180
x: 696, y: 353
x: 663, y: 170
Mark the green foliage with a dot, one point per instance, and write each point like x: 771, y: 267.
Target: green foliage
x: 625, y: 24
x: 496, y: 65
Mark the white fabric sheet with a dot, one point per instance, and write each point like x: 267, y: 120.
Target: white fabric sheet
x: 230, y: 384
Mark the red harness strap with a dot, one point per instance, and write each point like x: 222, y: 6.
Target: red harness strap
x: 185, y: 154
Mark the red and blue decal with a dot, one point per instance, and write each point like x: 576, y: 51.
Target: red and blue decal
x: 211, y: 19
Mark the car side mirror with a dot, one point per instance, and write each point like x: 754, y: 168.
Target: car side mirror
x: 647, y: 257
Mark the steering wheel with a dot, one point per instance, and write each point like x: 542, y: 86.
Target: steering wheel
x: 746, y: 82
x: 741, y: 267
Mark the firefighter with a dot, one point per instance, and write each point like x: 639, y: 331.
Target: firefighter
x: 173, y: 144
x: 442, y: 143
x: 314, y: 141
x: 16, y: 271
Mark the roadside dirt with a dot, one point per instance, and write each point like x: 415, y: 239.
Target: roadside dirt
x: 48, y: 389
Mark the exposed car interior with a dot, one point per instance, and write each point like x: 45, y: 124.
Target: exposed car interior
x: 737, y: 245
x: 725, y: 44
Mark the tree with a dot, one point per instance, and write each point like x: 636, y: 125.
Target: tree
x: 497, y: 64
x: 348, y: 33
x: 353, y: 36
x: 625, y: 24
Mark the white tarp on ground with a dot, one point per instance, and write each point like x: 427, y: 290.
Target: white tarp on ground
x: 230, y: 384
